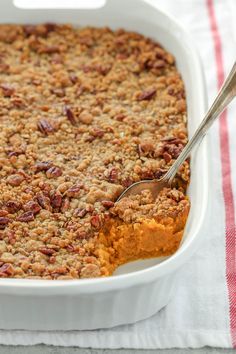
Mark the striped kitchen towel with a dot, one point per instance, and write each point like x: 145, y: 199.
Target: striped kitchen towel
x: 203, y: 310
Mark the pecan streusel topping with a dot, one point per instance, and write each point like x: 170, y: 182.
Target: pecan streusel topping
x: 84, y: 113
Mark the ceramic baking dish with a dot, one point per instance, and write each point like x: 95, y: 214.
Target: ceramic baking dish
x: 139, y: 289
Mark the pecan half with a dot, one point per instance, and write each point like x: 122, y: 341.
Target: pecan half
x: 6, y: 269
x: 56, y: 200
x: 4, y: 221
x: 26, y: 217
x: 70, y: 115
x: 8, y: 91
x: 43, y: 201
x: 74, y: 190
x: 80, y: 212
x: 24, y: 174
x: 38, y: 30
x: 65, y: 205
x: 173, y: 147
x: 53, y: 172
x: 70, y: 248
x: 32, y: 206
x: 42, y: 166
x: 127, y: 182
x: 158, y: 64
x: 96, y: 221
x: 147, y: 94
x: 97, y: 132
x: 29, y: 30
x: 50, y: 49
x: 15, y: 153
x: 167, y: 157
x: 107, y: 203
x: 113, y: 175
x: 15, y: 180
x: 13, y: 206
x: 45, y: 126
x: 47, y: 251
x: 120, y: 117
x: 83, y: 235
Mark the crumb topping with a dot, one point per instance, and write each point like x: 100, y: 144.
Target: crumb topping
x: 84, y: 113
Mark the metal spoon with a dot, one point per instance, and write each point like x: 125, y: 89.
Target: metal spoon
x: 224, y: 97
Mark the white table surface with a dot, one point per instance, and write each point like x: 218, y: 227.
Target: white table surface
x: 43, y: 349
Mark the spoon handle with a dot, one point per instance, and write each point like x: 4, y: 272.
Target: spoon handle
x: 224, y: 97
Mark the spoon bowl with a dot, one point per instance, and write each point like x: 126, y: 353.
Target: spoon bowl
x: 154, y: 185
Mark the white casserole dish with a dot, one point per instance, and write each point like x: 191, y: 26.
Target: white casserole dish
x: 134, y: 294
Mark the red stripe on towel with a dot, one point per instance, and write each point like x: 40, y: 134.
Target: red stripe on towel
x: 230, y: 229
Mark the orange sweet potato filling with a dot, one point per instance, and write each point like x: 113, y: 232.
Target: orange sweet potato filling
x: 120, y: 243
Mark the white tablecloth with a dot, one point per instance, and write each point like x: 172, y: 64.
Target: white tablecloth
x: 203, y: 310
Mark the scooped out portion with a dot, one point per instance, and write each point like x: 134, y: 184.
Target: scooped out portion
x: 141, y: 227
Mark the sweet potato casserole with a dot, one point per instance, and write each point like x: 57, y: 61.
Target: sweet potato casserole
x: 84, y: 113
